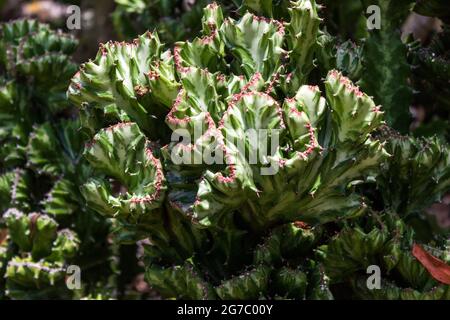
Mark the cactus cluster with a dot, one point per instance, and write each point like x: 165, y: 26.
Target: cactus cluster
x: 45, y: 224
x: 160, y: 120
x: 401, y: 73
x: 246, y: 162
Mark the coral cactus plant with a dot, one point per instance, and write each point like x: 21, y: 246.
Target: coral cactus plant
x: 431, y: 71
x: 40, y: 164
x: 239, y: 76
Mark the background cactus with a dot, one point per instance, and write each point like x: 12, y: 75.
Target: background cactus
x: 384, y: 241
x: 409, y: 86
x: 174, y: 19
x: 40, y: 166
x: 230, y: 230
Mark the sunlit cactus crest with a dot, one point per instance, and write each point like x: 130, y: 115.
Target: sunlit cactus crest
x: 251, y: 162
x: 172, y: 18
x: 227, y: 230
x: 39, y: 163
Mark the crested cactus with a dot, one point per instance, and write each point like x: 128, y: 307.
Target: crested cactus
x: 347, y: 57
x: 379, y: 52
x: 401, y: 74
x: 177, y: 158
x: 29, y: 53
x: 386, y: 242
x: 248, y: 162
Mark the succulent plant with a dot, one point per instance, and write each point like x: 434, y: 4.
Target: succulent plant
x: 417, y: 174
x: 431, y: 63
x: 385, y: 241
x: 244, y: 227
x: 35, y: 273
x: 174, y: 19
x: 42, y: 211
x: 384, y: 47
x: 347, y: 57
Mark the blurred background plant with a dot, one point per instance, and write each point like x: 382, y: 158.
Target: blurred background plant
x: 404, y: 63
